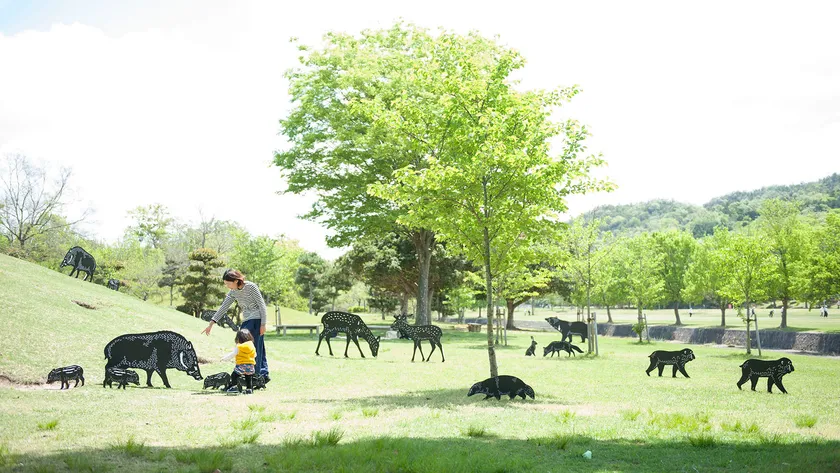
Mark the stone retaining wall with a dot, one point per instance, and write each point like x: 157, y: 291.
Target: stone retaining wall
x: 822, y: 343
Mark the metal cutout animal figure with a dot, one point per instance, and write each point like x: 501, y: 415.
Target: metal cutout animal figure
x: 678, y: 359
x: 257, y: 382
x: 121, y: 377
x: 224, y: 321
x: 114, y: 284
x: 66, y: 374
x: 80, y: 260
x: 530, y: 351
x: 216, y: 381
x: 773, y: 370
x: 353, y: 326
x: 418, y: 333
x: 501, y: 385
x: 556, y: 347
x: 568, y: 328
x: 154, y: 352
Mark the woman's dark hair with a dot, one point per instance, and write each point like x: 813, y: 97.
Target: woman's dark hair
x: 234, y: 276
x: 244, y: 335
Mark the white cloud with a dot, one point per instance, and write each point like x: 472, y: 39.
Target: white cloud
x: 179, y: 104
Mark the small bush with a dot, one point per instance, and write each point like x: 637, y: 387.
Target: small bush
x: 330, y: 437
x: 356, y: 309
x: 370, y: 412
x: 805, y: 420
x: 703, y: 440
x: 51, y: 425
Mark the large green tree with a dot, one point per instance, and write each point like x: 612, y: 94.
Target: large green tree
x: 202, y: 285
x: 782, y: 226
x: 309, y: 276
x: 710, y: 274
x: 495, y: 188
x: 151, y: 225
x: 641, y: 267
x: 582, y: 243
x: 677, y: 250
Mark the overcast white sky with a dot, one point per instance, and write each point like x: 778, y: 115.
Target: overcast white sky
x: 176, y: 102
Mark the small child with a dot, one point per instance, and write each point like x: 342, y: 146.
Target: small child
x: 246, y: 355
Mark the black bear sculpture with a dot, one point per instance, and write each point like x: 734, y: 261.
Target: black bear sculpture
x: 532, y: 349
x: 773, y: 370
x: 557, y: 347
x: 502, y: 385
x: 568, y: 328
x: 80, y: 260
x: 678, y: 359
x: 154, y: 352
x: 216, y: 381
x: 120, y: 376
x: 352, y: 325
x: 66, y: 374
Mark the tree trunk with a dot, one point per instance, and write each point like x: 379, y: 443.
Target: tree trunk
x: 641, y: 321
x: 723, y: 314
x: 785, y: 301
x: 424, y: 241
x: 609, y: 316
x: 171, y: 295
x: 491, y: 351
x: 677, y: 312
x: 510, y: 307
x: 310, y: 297
x: 429, y: 313
x: 404, y: 304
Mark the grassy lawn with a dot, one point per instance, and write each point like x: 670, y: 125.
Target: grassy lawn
x: 388, y: 414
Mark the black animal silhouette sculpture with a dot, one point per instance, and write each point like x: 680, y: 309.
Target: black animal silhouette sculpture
x: 66, y: 374
x: 350, y: 324
x: 114, y: 284
x: 80, y: 260
x: 154, y: 352
x: 224, y: 321
x: 501, y: 385
x: 678, y: 359
x: 418, y: 333
x: 216, y: 381
x: 121, y: 377
x: 556, y: 347
x: 530, y: 351
x: 773, y: 370
x: 257, y: 382
x: 568, y: 328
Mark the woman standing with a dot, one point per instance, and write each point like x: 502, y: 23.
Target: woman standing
x: 248, y: 295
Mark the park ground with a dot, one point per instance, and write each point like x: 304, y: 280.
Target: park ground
x: 388, y: 414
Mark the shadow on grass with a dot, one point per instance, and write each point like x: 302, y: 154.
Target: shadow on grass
x: 550, y: 451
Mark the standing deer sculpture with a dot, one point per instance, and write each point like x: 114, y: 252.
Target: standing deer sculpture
x: 418, y: 333
x: 350, y: 324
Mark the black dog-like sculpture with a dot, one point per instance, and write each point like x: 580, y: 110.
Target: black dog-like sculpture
x: 154, y: 352
x: 678, y: 359
x: 530, y: 351
x: 774, y: 370
x: 114, y: 284
x: 418, y: 333
x: 224, y: 321
x: 121, y: 377
x: 501, y: 385
x: 568, y: 328
x: 216, y: 381
x: 65, y: 374
x: 352, y: 325
x: 80, y: 260
x: 556, y: 347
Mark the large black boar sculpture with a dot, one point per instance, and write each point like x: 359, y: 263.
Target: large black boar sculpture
x: 153, y: 352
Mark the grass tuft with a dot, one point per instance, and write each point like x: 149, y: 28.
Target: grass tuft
x: 772, y: 440
x: 6, y: 456
x: 207, y: 462
x: 566, y: 416
x: 82, y: 462
x: 250, y: 437
x: 335, y: 415
x: 557, y: 441
x: 805, y: 420
x: 739, y: 427
x: 256, y: 408
x: 293, y: 441
x: 328, y: 438
x: 679, y: 421
x: 476, y: 431
x: 702, y: 440
x: 132, y: 447
x: 51, y: 425
x: 631, y: 415
x: 370, y: 412
x: 246, y: 424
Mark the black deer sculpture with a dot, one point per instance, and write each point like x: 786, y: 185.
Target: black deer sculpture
x: 352, y: 325
x: 418, y: 333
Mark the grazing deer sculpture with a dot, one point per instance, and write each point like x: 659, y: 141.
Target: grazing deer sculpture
x: 350, y: 324
x: 418, y: 333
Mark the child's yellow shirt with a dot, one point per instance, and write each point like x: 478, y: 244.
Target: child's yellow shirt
x: 246, y: 353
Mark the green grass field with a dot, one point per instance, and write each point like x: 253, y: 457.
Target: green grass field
x: 387, y: 414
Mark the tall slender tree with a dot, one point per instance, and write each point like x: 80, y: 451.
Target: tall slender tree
x: 677, y: 250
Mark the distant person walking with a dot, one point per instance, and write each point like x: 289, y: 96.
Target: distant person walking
x: 248, y: 295
x: 824, y: 311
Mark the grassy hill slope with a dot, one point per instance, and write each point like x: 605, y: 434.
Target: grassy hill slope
x: 43, y: 328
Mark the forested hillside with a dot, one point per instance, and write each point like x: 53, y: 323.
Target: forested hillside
x: 731, y: 210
